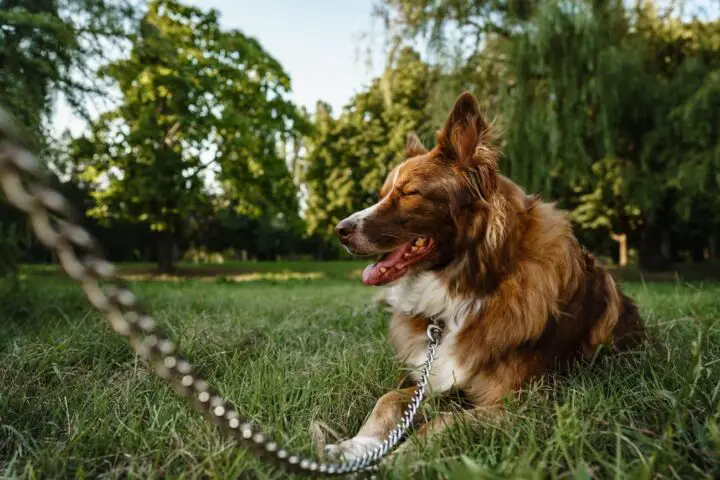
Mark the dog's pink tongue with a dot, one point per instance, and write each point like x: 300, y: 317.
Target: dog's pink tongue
x: 371, y: 274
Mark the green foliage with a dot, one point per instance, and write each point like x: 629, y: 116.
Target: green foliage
x: 349, y: 156
x: 49, y: 47
x: 202, y: 108
x: 594, y: 85
x: 565, y: 67
x: 685, y: 145
x: 452, y: 27
x: 600, y: 200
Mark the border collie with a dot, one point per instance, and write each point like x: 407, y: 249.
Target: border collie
x: 460, y: 243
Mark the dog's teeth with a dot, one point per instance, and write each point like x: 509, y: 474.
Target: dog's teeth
x: 420, y: 242
x: 383, y: 269
x: 406, y: 255
x: 414, y: 248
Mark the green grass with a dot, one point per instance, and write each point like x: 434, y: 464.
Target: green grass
x: 293, y: 353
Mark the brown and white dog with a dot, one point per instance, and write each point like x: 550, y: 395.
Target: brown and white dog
x: 518, y: 295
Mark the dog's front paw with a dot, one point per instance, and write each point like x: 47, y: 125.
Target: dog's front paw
x: 351, y: 449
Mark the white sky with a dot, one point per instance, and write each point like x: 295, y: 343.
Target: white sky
x: 318, y: 42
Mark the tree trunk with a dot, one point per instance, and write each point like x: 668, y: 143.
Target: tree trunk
x: 165, y: 251
x: 622, y: 241
x: 698, y: 248
x: 654, y: 248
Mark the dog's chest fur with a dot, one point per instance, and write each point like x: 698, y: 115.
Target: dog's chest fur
x: 427, y: 295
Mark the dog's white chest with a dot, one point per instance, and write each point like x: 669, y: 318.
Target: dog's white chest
x: 426, y: 294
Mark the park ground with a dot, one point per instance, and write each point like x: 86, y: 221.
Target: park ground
x: 302, y: 350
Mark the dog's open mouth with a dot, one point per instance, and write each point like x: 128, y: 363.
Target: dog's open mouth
x: 394, y: 264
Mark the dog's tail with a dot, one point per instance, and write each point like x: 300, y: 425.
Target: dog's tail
x: 620, y: 325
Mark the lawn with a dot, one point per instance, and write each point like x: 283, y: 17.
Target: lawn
x: 300, y: 348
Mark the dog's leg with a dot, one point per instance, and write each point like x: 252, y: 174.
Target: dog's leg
x: 484, y: 393
x: 386, y: 414
x: 446, y: 420
x: 411, y: 450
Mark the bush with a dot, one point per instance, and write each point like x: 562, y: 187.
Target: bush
x: 203, y: 255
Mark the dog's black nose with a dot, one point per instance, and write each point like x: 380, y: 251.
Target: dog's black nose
x: 345, y: 228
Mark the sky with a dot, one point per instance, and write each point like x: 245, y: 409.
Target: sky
x: 319, y: 43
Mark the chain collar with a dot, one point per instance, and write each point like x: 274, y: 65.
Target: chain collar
x: 435, y: 329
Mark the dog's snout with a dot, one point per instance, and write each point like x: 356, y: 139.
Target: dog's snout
x: 345, y: 229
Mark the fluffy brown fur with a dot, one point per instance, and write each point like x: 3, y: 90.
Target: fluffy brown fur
x: 518, y: 294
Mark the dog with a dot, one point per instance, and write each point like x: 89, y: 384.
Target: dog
x: 461, y: 244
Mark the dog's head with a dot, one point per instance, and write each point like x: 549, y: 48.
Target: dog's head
x: 428, y: 201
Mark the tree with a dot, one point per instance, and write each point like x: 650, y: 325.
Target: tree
x: 677, y: 181
x: 49, y: 47
x: 203, y: 111
x: 599, y: 205
x: 452, y: 27
x: 467, y: 43
x: 597, y: 100
x: 349, y: 157
x: 46, y: 48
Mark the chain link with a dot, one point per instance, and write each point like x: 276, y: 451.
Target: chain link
x: 55, y: 223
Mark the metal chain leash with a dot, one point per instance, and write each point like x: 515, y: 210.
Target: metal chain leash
x: 56, y: 225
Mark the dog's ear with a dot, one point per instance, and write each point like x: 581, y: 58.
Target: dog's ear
x: 463, y: 132
x: 465, y: 141
x: 414, y: 146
